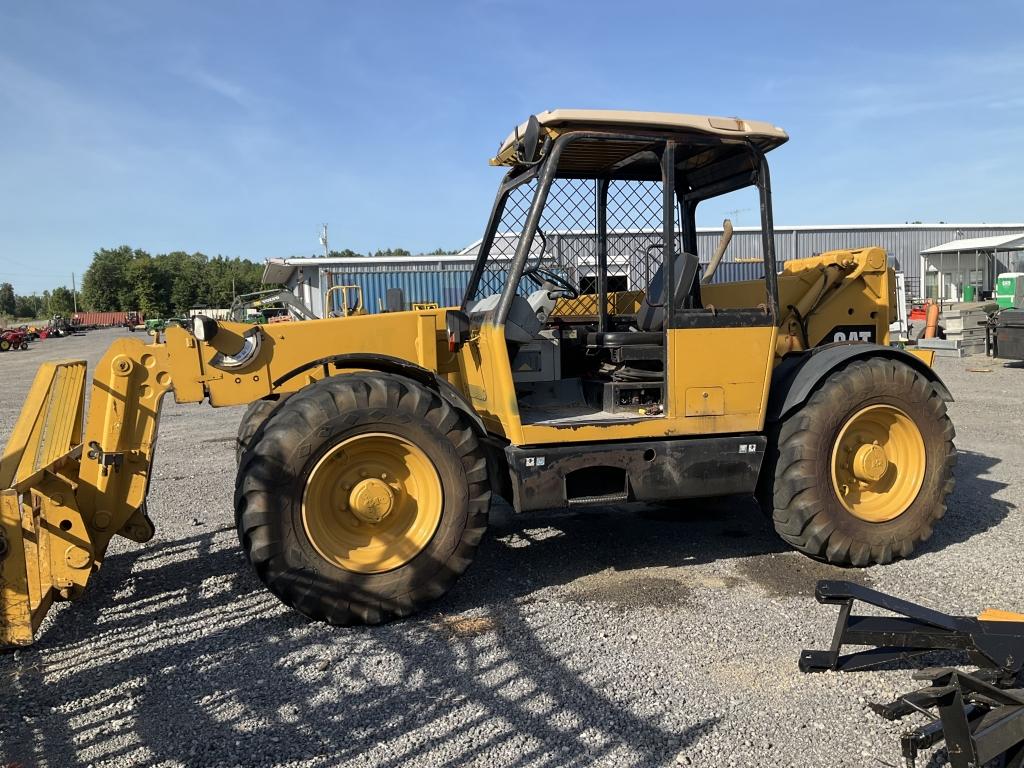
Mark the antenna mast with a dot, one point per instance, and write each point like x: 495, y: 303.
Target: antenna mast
x: 323, y: 241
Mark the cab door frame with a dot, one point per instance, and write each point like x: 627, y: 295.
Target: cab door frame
x: 484, y: 362
x: 721, y: 358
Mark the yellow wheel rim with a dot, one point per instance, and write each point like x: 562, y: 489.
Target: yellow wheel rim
x: 878, y: 463
x: 372, y: 503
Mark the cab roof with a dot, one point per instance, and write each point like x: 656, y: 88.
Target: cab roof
x: 554, y: 122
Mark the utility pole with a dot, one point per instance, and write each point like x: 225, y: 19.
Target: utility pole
x: 735, y: 214
x: 74, y: 293
x: 323, y: 241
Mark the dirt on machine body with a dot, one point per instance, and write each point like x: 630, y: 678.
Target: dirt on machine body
x: 374, y: 444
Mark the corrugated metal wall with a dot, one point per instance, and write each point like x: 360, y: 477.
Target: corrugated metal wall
x: 444, y: 284
x: 903, y: 243
x: 436, y: 279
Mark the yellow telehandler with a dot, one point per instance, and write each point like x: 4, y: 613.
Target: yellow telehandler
x: 593, y: 360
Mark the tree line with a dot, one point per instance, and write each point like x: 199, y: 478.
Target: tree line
x: 59, y: 301
x: 164, y: 284
x: 159, y: 285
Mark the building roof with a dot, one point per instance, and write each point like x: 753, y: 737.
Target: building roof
x: 279, y: 271
x: 1009, y: 242
x: 779, y: 229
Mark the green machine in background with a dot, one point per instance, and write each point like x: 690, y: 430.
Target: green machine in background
x: 1010, y: 290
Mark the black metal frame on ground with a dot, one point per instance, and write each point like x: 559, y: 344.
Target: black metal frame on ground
x: 980, y: 715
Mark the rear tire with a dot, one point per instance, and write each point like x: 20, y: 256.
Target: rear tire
x: 347, y: 424
x: 4, y: 345
x: 820, y: 507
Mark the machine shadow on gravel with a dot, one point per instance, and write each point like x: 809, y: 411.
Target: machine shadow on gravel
x: 181, y: 655
x: 973, y: 507
x: 523, y: 554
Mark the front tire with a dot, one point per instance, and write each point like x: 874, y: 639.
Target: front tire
x: 363, y: 499
x: 252, y: 421
x: 863, y: 469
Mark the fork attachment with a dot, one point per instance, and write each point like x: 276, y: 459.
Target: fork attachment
x: 980, y: 715
x: 979, y: 721
x: 994, y: 640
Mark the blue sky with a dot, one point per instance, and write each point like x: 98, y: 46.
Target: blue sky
x: 237, y: 128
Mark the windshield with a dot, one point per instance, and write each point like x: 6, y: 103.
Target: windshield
x: 566, y: 240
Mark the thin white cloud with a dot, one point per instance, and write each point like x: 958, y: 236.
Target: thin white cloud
x: 220, y: 86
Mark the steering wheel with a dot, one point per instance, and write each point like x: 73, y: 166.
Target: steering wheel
x: 541, y: 275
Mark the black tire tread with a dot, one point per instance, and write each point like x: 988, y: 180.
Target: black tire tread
x: 264, y: 470
x: 802, y: 511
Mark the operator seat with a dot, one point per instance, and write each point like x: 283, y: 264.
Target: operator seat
x: 651, y: 318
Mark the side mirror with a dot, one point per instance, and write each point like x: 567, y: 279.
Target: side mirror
x: 526, y: 148
x: 456, y: 322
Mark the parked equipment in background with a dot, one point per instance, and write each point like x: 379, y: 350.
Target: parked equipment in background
x: 350, y: 301
x: 373, y: 443
x: 980, y: 714
x: 268, y: 306
x: 13, y: 339
x: 58, y: 326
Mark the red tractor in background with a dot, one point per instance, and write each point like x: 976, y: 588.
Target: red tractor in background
x: 13, y: 339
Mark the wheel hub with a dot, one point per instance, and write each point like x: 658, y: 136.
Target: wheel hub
x: 878, y: 463
x: 870, y: 463
x: 372, y: 503
x: 371, y: 500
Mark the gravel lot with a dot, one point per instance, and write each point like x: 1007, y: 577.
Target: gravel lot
x: 623, y: 636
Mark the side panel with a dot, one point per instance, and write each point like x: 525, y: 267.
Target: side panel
x: 486, y: 376
x: 718, y: 379
x: 16, y: 626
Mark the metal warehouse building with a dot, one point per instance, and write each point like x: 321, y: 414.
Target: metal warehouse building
x: 443, y: 279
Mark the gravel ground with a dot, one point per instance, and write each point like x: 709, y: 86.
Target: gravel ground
x: 623, y: 636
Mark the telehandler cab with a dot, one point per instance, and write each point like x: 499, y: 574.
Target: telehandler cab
x: 593, y: 360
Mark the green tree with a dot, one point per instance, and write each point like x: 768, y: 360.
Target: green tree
x: 142, y: 286
x: 61, y: 301
x: 391, y: 252
x: 347, y: 253
x: 28, y: 306
x: 184, y: 273
x: 104, y: 283
x: 165, y: 285
x: 7, y: 301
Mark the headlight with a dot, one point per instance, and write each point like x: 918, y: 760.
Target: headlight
x: 204, y: 328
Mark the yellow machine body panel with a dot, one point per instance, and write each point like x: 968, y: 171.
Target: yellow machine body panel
x: 830, y: 291
x: 718, y: 380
